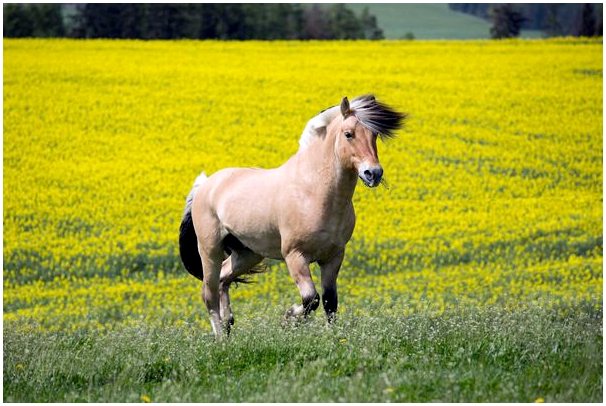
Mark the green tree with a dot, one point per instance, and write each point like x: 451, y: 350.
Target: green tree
x: 295, y: 22
x: 48, y: 20
x: 553, y: 28
x: 231, y: 24
x: 343, y: 23
x: 17, y: 21
x: 271, y: 21
x: 169, y: 21
x: 207, y: 18
x: 587, y: 24
x: 132, y: 21
x: 555, y: 19
x: 369, y: 25
x: 507, y: 21
x: 315, y: 23
x: 33, y: 20
x: 112, y: 21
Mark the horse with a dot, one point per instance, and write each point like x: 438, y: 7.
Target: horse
x: 300, y: 212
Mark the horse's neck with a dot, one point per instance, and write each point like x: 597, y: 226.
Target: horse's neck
x: 321, y: 167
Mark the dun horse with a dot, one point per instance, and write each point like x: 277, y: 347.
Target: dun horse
x: 301, y: 212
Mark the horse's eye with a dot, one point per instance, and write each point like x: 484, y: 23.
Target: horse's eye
x: 348, y: 135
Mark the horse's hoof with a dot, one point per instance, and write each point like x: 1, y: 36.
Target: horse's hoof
x: 291, y: 317
x: 294, y: 312
x: 226, y: 324
x: 331, y: 318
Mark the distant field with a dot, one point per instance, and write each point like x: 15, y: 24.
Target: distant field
x: 476, y: 276
x: 429, y: 21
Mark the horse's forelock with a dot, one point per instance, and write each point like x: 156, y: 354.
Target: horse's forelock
x: 376, y: 116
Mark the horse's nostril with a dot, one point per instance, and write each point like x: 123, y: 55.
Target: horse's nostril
x: 368, y: 174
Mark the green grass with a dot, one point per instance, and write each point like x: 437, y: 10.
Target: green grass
x: 494, y: 211
x: 487, y: 355
x: 429, y: 21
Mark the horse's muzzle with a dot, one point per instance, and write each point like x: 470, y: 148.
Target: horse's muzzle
x: 371, y: 176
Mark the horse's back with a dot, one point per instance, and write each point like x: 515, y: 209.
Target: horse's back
x: 239, y: 185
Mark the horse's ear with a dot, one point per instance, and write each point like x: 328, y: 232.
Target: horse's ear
x: 320, y: 131
x: 345, y: 110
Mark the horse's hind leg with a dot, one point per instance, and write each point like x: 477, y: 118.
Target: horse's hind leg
x: 237, y: 264
x: 212, y: 257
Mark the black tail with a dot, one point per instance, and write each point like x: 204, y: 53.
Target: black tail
x: 188, y: 244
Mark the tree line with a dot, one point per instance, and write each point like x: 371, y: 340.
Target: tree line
x: 198, y: 21
x: 555, y: 19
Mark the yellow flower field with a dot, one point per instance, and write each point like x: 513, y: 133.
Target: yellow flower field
x: 495, y: 186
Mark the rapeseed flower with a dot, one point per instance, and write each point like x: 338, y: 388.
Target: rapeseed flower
x: 495, y: 191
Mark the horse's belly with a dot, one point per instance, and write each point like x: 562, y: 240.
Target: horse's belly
x: 265, y: 246
x: 255, y: 231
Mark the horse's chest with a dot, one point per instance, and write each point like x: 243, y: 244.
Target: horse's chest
x: 331, y: 231
x: 316, y: 234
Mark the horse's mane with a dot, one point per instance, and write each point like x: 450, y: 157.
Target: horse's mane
x: 316, y: 127
x: 374, y: 115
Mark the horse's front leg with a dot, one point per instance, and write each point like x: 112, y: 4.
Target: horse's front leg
x: 329, y: 271
x: 298, y: 267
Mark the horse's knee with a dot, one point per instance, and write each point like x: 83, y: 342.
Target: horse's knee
x: 210, y: 296
x: 330, y: 302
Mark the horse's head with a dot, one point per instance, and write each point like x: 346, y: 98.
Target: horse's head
x: 357, y: 129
